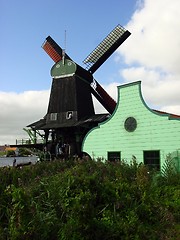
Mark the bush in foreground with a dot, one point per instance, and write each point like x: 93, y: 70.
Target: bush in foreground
x: 88, y: 200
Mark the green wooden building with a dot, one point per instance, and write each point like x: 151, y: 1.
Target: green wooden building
x: 135, y: 131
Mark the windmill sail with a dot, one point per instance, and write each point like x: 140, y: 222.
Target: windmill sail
x: 53, y: 49
x: 103, y: 97
x: 104, y: 50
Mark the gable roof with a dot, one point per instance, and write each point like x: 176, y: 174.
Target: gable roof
x: 171, y: 116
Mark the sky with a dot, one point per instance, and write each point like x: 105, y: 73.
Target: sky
x: 151, y: 54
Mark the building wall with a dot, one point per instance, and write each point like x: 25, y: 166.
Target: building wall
x: 154, y: 131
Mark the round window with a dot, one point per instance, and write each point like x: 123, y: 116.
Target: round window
x: 130, y: 124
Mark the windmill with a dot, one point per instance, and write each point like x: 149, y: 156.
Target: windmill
x: 70, y: 113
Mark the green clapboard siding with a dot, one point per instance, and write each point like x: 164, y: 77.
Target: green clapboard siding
x: 154, y: 131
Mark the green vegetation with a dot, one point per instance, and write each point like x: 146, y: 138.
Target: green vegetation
x: 10, y: 153
x: 22, y: 152
x: 2, y: 153
x: 87, y: 200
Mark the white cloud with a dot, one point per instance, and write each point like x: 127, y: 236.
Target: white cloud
x: 19, y: 110
x: 152, y: 52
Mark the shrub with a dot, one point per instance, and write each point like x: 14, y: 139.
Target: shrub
x: 10, y: 153
x: 87, y: 200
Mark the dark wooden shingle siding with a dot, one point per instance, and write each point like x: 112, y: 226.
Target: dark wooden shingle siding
x: 71, y: 94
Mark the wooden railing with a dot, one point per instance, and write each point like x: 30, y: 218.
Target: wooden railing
x: 28, y: 141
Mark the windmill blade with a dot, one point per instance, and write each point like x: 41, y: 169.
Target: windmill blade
x: 104, y: 50
x: 53, y: 49
x: 103, y: 97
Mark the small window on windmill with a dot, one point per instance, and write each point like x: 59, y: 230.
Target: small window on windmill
x: 69, y: 115
x: 53, y: 116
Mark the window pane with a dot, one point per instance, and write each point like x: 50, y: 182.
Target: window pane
x: 152, y: 159
x: 113, y: 156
